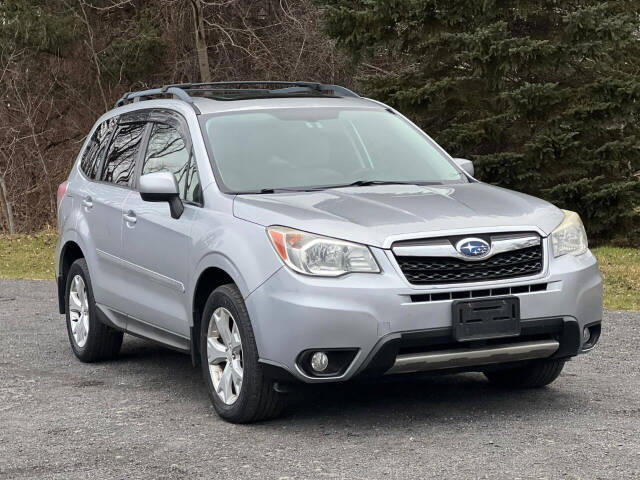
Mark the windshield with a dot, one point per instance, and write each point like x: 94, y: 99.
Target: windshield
x: 319, y: 148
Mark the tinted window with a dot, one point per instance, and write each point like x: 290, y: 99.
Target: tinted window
x: 119, y: 166
x: 167, y: 151
x: 96, y: 147
x: 321, y: 146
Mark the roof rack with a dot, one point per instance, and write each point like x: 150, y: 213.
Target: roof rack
x: 238, y: 91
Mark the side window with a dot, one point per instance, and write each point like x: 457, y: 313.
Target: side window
x: 119, y: 166
x: 167, y: 151
x: 90, y: 162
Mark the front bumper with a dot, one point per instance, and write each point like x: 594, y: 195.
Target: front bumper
x: 373, y: 313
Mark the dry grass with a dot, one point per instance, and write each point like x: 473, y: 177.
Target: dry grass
x: 620, y: 268
x: 31, y: 257
x: 28, y: 256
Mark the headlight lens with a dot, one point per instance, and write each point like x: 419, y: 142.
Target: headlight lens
x: 569, y: 237
x: 317, y: 255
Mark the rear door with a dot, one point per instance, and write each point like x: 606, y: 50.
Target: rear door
x: 155, y: 245
x: 99, y: 206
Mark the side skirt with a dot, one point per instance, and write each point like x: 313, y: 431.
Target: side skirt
x: 139, y: 328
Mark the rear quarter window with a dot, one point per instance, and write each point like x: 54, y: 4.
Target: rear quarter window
x: 94, y: 152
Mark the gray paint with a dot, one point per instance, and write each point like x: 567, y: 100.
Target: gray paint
x: 163, y: 183
x: 145, y: 272
x: 376, y: 215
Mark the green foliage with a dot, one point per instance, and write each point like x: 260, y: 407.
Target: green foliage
x: 27, y: 24
x: 543, y: 95
x: 135, y: 52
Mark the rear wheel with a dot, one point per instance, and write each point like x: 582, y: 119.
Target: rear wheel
x: 237, y: 386
x: 533, y: 375
x: 90, y: 339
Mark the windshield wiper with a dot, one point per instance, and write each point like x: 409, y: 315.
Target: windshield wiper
x: 276, y: 190
x: 358, y: 183
x: 365, y: 183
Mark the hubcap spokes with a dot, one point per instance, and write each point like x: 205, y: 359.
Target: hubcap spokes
x: 79, y: 311
x: 224, y: 354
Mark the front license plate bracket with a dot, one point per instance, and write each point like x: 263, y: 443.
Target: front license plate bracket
x: 486, y: 319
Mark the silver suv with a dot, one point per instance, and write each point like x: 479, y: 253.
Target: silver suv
x: 284, y: 232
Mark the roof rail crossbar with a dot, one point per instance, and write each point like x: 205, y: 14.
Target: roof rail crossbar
x: 246, y: 82
x: 320, y: 87
x: 181, y: 90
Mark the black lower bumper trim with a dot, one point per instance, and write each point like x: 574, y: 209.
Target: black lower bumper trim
x: 564, y: 329
x: 595, y: 329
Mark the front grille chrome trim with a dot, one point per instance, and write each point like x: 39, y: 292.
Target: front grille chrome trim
x: 444, y: 248
x: 436, y: 274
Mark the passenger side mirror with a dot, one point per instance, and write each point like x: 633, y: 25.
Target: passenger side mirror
x: 466, y: 165
x: 162, y: 187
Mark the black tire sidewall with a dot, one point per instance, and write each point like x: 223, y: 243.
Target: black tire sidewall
x: 535, y: 375
x: 228, y: 297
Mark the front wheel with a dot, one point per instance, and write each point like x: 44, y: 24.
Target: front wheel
x: 237, y: 386
x: 534, y: 375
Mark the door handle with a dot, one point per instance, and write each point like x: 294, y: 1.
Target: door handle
x: 130, y: 217
x: 87, y: 202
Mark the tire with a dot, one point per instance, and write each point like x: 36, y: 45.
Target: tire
x: 256, y: 399
x: 535, y: 375
x: 100, y: 342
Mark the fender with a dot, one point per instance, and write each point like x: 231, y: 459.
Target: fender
x: 222, y: 262
x: 69, y: 235
x: 238, y: 247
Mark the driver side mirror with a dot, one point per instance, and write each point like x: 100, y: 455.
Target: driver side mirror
x: 162, y: 187
x: 466, y: 165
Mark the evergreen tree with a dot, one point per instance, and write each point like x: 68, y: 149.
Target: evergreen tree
x: 543, y: 95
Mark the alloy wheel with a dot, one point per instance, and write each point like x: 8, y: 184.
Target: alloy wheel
x: 79, y: 311
x: 224, y: 355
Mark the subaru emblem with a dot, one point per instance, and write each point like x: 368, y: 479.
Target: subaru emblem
x: 473, y: 247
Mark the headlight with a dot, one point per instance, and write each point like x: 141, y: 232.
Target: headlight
x: 569, y: 236
x: 316, y: 255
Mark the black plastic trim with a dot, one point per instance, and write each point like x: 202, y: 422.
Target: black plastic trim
x: 193, y: 347
x: 278, y: 374
x: 595, y: 329
x: 138, y: 328
x: 337, y: 366
x: 570, y: 339
x: 383, y: 355
x: 62, y: 307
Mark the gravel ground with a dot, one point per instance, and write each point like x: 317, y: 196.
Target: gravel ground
x: 147, y: 415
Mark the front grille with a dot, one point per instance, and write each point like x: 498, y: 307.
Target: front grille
x: 432, y: 270
x: 490, y: 292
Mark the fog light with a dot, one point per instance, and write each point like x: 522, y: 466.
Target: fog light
x: 319, y: 362
x: 586, y: 335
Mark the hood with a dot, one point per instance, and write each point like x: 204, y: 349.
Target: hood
x: 378, y: 215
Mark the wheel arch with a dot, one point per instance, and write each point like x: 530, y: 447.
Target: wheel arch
x: 208, y: 280
x: 69, y: 253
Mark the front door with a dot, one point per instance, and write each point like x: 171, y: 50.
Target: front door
x: 156, y: 246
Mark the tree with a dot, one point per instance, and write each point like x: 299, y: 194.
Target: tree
x: 201, y: 41
x: 543, y: 95
x: 65, y: 62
